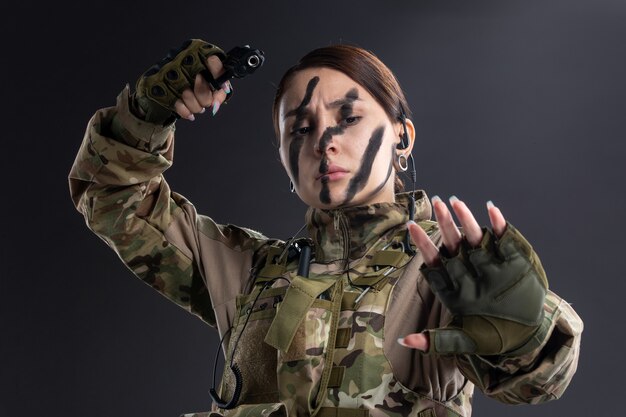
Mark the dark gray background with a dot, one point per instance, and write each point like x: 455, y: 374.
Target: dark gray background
x: 521, y: 102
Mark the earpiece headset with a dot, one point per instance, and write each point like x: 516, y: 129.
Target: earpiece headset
x: 404, y: 144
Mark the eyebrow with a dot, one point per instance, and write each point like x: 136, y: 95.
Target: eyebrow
x: 298, y: 110
x: 301, y: 109
x: 292, y: 112
x: 343, y: 101
x: 350, y: 97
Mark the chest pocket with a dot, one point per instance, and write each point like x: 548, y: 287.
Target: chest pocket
x: 255, y: 360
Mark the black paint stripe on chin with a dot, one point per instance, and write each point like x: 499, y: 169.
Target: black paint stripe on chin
x: 296, y: 145
x: 360, y: 179
x: 325, y: 192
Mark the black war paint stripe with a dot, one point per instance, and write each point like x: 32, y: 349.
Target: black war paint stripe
x: 325, y: 192
x: 345, y: 111
x: 360, y: 179
x: 328, y: 134
x: 389, y: 171
x: 294, y: 153
x: 299, y: 112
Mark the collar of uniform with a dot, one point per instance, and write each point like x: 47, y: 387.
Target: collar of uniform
x: 351, y: 231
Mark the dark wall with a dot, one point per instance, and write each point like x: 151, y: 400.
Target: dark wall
x: 521, y: 102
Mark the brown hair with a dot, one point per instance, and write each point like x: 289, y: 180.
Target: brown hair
x: 363, y: 67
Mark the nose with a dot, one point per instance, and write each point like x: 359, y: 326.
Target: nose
x: 326, y: 144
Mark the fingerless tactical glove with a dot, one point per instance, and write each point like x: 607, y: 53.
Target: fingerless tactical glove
x: 495, y: 293
x: 162, y: 84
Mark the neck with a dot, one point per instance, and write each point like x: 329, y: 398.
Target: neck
x: 347, y: 233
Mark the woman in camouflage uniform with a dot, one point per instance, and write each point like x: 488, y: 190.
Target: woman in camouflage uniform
x: 371, y: 322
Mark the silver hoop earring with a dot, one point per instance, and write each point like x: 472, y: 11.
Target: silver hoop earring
x: 402, y: 162
x: 291, y: 187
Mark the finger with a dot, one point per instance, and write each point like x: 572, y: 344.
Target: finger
x: 183, y: 111
x: 215, y: 66
x: 227, y: 87
x: 217, y: 69
x: 429, y: 251
x: 218, y: 98
x: 190, y: 101
x: 498, y: 223
x: 416, y: 341
x: 471, y: 229
x: 203, y: 91
x: 449, y: 232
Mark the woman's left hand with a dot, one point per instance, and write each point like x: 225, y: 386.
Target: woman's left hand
x: 452, y: 238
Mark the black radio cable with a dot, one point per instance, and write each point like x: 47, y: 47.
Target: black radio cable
x: 227, y: 405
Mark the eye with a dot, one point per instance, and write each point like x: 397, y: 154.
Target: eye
x: 301, y: 131
x: 351, y: 120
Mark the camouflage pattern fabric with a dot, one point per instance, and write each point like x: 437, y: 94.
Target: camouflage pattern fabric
x: 344, y: 360
x: 341, y: 364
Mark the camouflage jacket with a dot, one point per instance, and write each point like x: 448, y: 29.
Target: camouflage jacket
x: 335, y: 357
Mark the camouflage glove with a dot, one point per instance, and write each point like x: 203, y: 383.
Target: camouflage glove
x: 160, y: 86
x: 495, y: 293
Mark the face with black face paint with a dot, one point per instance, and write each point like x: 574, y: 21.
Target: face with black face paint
x: 337, y: 143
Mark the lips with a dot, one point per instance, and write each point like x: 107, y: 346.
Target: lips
x: 332, y: 172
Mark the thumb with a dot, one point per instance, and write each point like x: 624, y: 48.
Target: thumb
x: 416, y: 341
x: 450, y: 340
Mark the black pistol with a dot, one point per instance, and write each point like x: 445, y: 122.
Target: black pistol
x: 240, y: 61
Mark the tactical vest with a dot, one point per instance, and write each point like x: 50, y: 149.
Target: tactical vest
x: 313, y: 346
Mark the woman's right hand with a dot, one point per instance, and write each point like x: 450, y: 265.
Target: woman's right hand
x: 203, y: 94
x: 177, y: 86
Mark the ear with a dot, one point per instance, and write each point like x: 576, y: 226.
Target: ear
x: 410, y: 131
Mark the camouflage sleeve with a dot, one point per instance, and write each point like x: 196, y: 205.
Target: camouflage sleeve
x: 118, y: 186
x: 543, y: 372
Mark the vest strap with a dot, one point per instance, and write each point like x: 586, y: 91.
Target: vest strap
x: 336, y: 376
x: 343, y: 337
x: 272, y: 269
x: 429, y: 412
x: 348, y: 299
x: 343, y: 412
x: 269, y: 272
x: 388, y: 258
x: 299, y: 297
x: 330, y: 349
